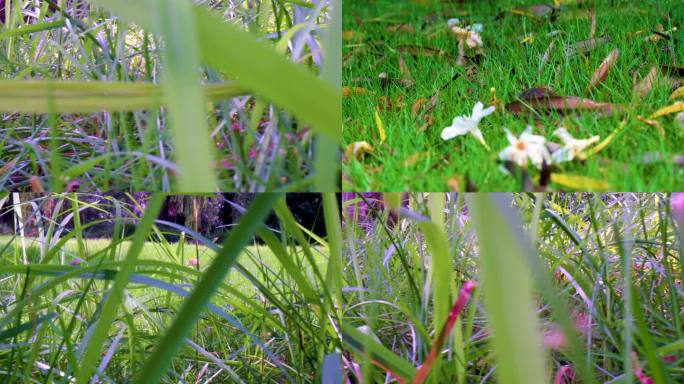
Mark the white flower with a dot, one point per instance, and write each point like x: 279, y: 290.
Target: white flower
x: 472, y: 38
x: 572, y: 147
x: 462, y: 125
x: 453, y: 22
x: 527, y: 146
x: 477, y: 27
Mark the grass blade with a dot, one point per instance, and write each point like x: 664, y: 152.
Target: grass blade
x: 381, y: 356
x: 508, y: 296
x: 186, y: 103
x: 115, y: 297
x: 255, y: 65
x: 35, y: 96
x: 192, y: 308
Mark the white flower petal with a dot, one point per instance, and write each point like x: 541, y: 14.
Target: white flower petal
x: 478, y: 135
x: 477, y: 27
x: 477, y: 111
x: 563, y: 134
x: 487, y: 111
x: 511, y: 138
x: 453, y: 131
x: 561, y: 155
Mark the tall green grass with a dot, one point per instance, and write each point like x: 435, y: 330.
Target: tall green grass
x: 134, y: 310
x: 190, y: 37
x: 569, y: 285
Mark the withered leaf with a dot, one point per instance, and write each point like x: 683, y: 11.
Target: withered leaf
x: 542, y: 99
x: 346, y: 91
x: 643, y: 87
x: 403, y: 27
x: 653, y: 124
x: 584, y: 46
x: 602, y: 71
x: 357, y: 150
x: 678, y: 107
x: 538, y: 10
x: 418, y: 104
x: 679, y: 92
x: 562, y: 104
x: 419, y: 50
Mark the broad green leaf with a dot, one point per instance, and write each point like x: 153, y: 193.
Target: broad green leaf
x: 35, y: 96
x: 255, y: 65
x: 192, y: 147
x: 507, y: 288
x: 32, y: 28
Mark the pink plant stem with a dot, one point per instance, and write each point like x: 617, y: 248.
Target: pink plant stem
x: 564, y: 375
x: 463, y: 297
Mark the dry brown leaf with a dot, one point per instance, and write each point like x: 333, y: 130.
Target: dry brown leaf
x: 348, y: 35
x: 545, y: 57
x: 384, y: 103
x: 403, y: 69
x: 454, y: 184
x: 653, y: 124
x: 8, y: 166
x: 602, y: 71
x: 646, y: 84
x: 418, y: 104
x: 36, y: 187
x: 403, y: 27
x: 584, y: 46
x: 542, y: 98
x: 346, y: 91
x: 413, y: 159
x: 357, y: 150
x: 417, y: 50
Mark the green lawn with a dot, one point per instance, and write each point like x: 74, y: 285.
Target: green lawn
x: 378, y: 35
x: 254, y: 258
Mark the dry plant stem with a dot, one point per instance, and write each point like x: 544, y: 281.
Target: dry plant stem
x: 460, y: 61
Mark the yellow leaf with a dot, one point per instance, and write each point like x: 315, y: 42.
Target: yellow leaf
x: 349, y: 35
x: 679, y: 92
x: 668, y: 110
x: 381, y: 127
x: 579, y: 182
x: 598, y: 147
x: 346, y: 91
x: 527, y: 39
x: 357, y: 150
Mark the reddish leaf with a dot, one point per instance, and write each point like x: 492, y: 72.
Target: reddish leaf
x: 602, y: 71
x: 638, y: 372
x: 564, y: 375
x: 543, y: 99
x: 36, y: 187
